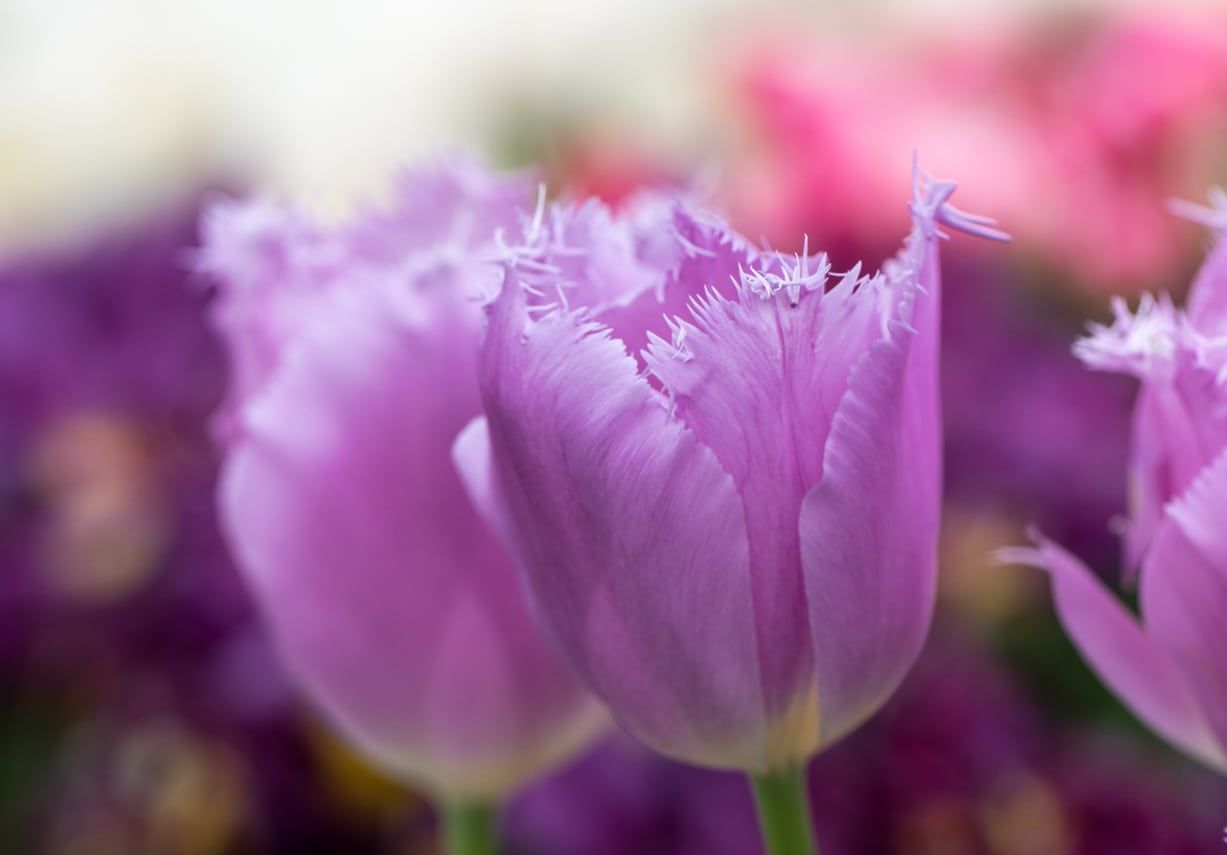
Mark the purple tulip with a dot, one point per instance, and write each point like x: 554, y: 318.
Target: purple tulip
x: 354, y: 355
x: 1169, y: 666
x: 731, y: 538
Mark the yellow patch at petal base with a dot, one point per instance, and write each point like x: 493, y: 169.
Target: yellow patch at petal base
x: 786, y: 742
x: 796, y: 735
x: 491, y: 777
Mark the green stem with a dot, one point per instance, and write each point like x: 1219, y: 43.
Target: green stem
x: 783, y: 812
x: 468, y: 828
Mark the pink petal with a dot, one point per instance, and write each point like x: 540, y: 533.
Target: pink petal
x: 272, y: 264
x: 475, y: 466
x: 688, y: 250
x: 1207, y: 304
x: 632, y: 536
x: 1164, y: 457
x: 1179, y: 423
x: 455, y: 203
x: 1133, y: 663
x: 757, y: 380
x: 394, y: 606
x: 1201, y: 513
x: 869, y: 529
x: 1184, y: 590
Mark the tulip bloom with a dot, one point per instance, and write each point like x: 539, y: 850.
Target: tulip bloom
x: 1169, y: 666
x: 735, y: 546
x: 354, y: 355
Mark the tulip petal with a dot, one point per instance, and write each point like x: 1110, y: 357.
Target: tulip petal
x: 475, y: 465
x: 631, y: 535
x: 454, y: 203
x: 1163, y: 458
x: 1133, y: 664
x: 1184, y: 591
x: 392, y: 603
x: 1201, y: 513
x: 592, y: 257
x: 1207, y: 303
x: 757, y: 379
x: 687, y: 250
x: 1178, y: 422
x: 869, y: 529
x: 272, y: 264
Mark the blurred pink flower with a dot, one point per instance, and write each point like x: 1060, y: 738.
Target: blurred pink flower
x: 733, y: 547
x: 354, y: 352
x: 1171, y: 667
x: 1074, y: 143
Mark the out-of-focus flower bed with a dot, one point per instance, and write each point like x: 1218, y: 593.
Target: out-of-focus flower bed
x: 145, y: 711
x: 1074, y: 132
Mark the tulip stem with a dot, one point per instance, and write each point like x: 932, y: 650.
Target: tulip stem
x: 783, y: 812
x: 468, y: 828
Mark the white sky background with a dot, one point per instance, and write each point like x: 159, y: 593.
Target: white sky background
x: 108, y: 105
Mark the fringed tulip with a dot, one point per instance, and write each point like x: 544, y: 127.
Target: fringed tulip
x: 732, y: 541
x: 1169, y: 665
x: 354, y: 352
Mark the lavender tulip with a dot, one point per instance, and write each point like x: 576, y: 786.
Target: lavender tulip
x: 354, y: 354
x: 1169, y: 666
x: 734, y: 547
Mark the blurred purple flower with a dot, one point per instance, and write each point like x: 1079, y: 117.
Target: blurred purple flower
x: 355, y: 357
x: 738, y: 597
x: 1171, y: 668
